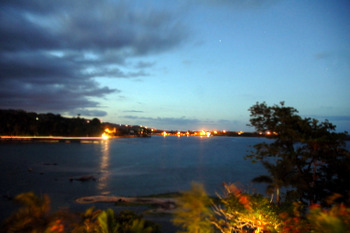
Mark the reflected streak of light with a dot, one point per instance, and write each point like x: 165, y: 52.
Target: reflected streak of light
x: 104, y: 168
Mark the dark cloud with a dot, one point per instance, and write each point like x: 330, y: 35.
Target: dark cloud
x: 89, y: 113
x: 52, y: 52
x: 184, y: 123
x: 332, y: 118
x: 133, y: 111
x: 168, y: 123
x: 142, y: 65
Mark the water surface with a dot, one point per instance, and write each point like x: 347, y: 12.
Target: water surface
x: 123, y: 166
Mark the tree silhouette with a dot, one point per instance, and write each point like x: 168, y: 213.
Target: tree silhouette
x: 280, y: 176
x: 313, y: 152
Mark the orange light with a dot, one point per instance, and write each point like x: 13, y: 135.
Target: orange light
x: 165, y: 133
x: 105, y: 136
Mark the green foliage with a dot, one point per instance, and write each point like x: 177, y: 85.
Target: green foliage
x: 107, y: 222
x: 239, y: 212
x: 335, y: 220
x: 304, y: 154
x: 87, y: 221
x: 193, y: 214
x: 34, y: 217
x: 130, y: 222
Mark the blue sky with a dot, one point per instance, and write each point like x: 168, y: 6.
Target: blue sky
x: 196, y: 64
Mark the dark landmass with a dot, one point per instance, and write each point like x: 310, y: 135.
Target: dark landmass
x: 22, y: 123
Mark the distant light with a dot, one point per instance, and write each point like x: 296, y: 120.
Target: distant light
x: 105, y: 136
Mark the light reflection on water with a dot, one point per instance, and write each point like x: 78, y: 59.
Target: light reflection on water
x: 102, y: 184
x: 123, y: 166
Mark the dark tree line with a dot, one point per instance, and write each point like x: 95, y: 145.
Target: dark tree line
x: 21, y: 123
x: 306, y: 157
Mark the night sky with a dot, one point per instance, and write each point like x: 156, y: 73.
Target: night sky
x: 176, y: 64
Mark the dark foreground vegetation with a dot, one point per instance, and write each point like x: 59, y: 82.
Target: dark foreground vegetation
x: 308, y: 189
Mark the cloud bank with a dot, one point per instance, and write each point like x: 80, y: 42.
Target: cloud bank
x: 184, y: 123
x: 52, y: 53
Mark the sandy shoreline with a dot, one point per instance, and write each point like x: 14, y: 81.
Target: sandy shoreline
x: 163, y: 205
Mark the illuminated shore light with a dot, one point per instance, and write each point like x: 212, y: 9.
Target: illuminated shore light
x: 51, y: 138
x: 164, y: 133
x: 104, y: 136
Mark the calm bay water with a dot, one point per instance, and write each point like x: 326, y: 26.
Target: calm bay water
x: 123, y: 166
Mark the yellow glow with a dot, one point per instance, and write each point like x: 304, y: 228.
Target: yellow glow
x: 215, y: 132
x: 268, y: 133
x: 165, y: 133
x: 208, y: 134
x: 104, y: 136
x: 103, y: 181
x: 50, y: 138
x: 240, y: 132
x: 224, y: 131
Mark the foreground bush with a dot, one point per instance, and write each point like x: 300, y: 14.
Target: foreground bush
x: 35, y: 217
x: 237, y: 212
